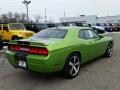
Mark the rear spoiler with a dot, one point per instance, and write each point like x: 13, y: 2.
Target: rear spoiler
x: 27, y: 43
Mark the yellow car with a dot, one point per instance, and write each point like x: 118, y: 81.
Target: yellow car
x: 13, y: 31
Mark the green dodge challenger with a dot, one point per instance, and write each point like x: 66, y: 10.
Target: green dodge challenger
x: 59, y: 49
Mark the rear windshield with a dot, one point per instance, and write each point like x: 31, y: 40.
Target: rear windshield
x: 51, y: 33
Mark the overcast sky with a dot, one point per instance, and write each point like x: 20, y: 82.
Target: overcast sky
x: 55, y: 8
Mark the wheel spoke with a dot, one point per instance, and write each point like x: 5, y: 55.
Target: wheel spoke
x: 75, y: 69
x: 70, y: 63
x: 110, y: 49
x: 77, y: 63
x: 71, y: 70
x: 74, y: 65
x: 74, y: 58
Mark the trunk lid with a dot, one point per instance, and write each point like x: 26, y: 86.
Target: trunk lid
x: 42, y: 42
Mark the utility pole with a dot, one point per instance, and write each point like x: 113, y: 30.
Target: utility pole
x: 45, y: 15
x: 26, y: 4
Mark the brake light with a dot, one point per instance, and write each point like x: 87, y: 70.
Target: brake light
x: 14, y: 47
x: 42, y: 51
x: 32, y: 50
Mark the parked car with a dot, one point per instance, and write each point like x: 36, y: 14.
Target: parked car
x: 98, y: 29
x: 51, y: 25
x: 113, y: 27
x: 108, y: 27
x: 118, y: 27
x: 36, y: 27
x: 14, y: 31
x: 59, y: 49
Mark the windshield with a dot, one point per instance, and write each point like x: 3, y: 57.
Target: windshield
x: 51, y: 33
x: 17, y: 27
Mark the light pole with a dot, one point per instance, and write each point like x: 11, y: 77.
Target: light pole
x: 64, y: 16
x: 45, y: 15
x: 26, y: 4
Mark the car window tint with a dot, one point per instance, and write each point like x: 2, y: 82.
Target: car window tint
x: 88, y: 34
x: 95, y: 35
x: 81, y: 35
x: 51, y: 33
x: 5, y: 27
x: 84, y: 34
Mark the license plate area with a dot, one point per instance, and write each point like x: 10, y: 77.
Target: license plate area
x: 22, y: 64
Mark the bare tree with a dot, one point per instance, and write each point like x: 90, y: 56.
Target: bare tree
x: 10, y: 17
x: 17, y: 17
x: 23, y: 17
x: 4, y: 18
x: 37, y: 18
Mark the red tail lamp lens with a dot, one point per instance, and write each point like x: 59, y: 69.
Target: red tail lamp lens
x: 42, y: 51
x: 32, y: 50
x: 14, y: 47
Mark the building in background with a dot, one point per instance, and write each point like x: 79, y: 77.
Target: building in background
x: 92, y: 19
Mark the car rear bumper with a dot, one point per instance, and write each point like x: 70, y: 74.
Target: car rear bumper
x: 43, y: 64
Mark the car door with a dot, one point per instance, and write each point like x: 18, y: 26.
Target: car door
x: 85, y: 45
x: 91, y: 44
x: 97, y: 44
x: 5, y: 32
x: 1, y: 32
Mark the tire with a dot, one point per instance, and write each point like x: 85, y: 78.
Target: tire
x: 1, y: 47
x: 1, y: 44
x: 72, y: 66
x: 109, y: 50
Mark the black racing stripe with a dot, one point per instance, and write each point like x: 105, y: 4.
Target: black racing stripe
x: 20, y: 56
x: 23, y: 42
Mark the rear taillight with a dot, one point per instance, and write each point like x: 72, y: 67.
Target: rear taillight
x: 14, y: 47
x: 32, y: 50
x: 42, y: 51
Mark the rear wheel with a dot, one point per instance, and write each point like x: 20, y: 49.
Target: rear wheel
x: 109, y: 50
x: 1, y: 47
x: 1, y: 44
x: 72, y: 66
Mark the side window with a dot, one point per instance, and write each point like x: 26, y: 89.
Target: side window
x: 81, y: 34
x: 93, y: 34
x: 84, y: 34
x: 88, y: 34
x: 5, y: 27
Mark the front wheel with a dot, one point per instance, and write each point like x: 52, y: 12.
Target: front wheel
x: 109, y: 50
x: 72, y: 66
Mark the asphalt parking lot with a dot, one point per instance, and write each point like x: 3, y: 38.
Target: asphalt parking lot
x: 101, y: 74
